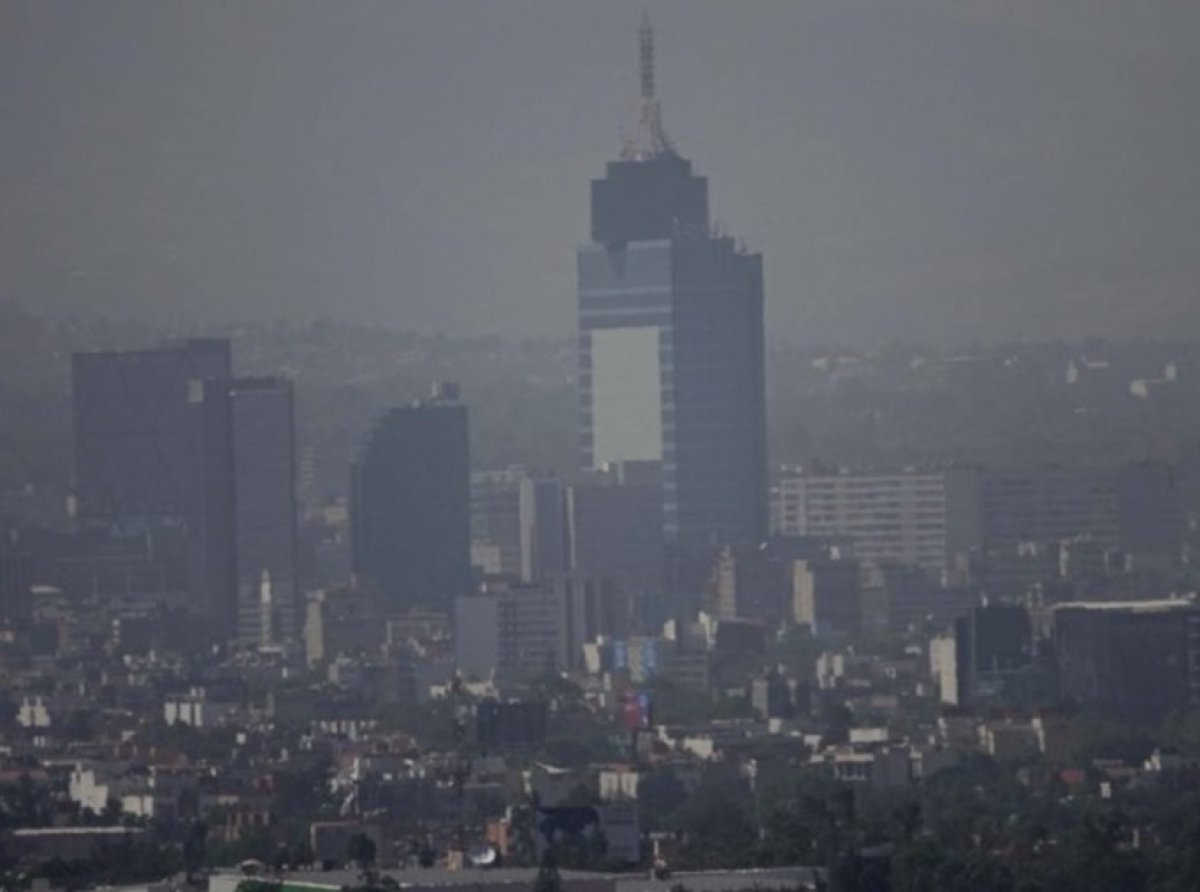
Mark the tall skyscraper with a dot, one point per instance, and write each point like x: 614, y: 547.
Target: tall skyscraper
x: 247, y: 532
x: 136, y: 431
x: 671, y: 339
x: 138, y: 475
x: 410, y: 504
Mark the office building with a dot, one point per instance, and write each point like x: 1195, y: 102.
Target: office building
x: 913, y: 599
x: 410, y: 504
x: 135, y: 429
x: 545, y: 545
x: 1150, y: 514
x: 671, y: 339
x: 925, y: 518
x: 614, y: 525
x: 16, y: 588
x: 998, y: 518
x: 518, y: 523
x: 496, y: 517
x: 137, y: 464
x: 247, y: 531
x: 1047, y: 504
x: 94, y: 561
x: 518, y: 631
x: 754, y: 581
x: 1135, y: 660
x: 510, y: 630
x: 344, y: 621
x: 827, y: 595
x: 990, y: 658
x: 514, y: 725
x: 593, y: 607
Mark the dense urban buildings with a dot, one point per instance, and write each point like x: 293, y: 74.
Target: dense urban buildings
x: 965, y: 655
x: 185, y: 480
x: 1048, y: 504
x: 924, y: 518
x: 410, y: 503
x: 988, y: 658
x: 937, y: 519
x: 671, y: 365
x: 516, y: 631
x: 518, y: 524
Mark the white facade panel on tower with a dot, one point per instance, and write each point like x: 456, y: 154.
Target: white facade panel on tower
x: 626, y: 395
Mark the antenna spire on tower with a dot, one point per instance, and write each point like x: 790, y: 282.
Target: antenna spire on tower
x: 646, y: 54
x: 649, y: 140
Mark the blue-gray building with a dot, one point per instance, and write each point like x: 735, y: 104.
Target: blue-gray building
x: 136, y: 432
x: 247, y: 535
x: 671, y: 340
x: 138, y: 474
x: 410, y: 505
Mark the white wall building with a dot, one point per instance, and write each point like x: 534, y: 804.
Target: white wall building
x: 917, y: 517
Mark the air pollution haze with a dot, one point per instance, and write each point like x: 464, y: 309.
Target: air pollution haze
x: 560, y: 446
x: 932, y: 171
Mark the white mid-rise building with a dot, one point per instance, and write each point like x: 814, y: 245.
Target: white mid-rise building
x: 925, y: 518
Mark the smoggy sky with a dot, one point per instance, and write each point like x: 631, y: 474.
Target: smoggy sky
x: 931, y: 169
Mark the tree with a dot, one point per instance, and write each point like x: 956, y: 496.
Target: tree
x: 195, y: 849
x: 917, y: 866
x: 302, y: 853
x: 718, y: 820
x: 360, y: 849
x: 257, y: 885
x: 548, y: 878
x: 660, y: 795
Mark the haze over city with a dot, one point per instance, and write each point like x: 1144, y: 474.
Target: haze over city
x: 932, y: 171
x: 593, y: 447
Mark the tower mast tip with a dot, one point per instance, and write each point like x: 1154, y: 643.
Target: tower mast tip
x: 646, y: 54
x: 650, y: 141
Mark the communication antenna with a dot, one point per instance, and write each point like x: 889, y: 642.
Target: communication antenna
x: 649, y: 140
x: 646, y: 55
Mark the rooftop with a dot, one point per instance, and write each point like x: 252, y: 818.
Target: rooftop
x: 1162, y: 605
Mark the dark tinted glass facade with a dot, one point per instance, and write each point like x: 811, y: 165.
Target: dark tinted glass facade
x: 248, y: 537
x: 671, y: 359
x: 410, y: 506
x: 640, y: 201
x: 136, y: 430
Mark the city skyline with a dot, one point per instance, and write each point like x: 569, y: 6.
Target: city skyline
x: 937, y: 171
x: 328, y: 605
x: 671, y: 356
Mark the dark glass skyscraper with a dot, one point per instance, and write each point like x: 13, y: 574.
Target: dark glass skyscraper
x: 247, y: 535
x: 136, y: 431
x: 671, y: 339
x: 410, y: 505
x: 174, y: 453
x: 138, y: 462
